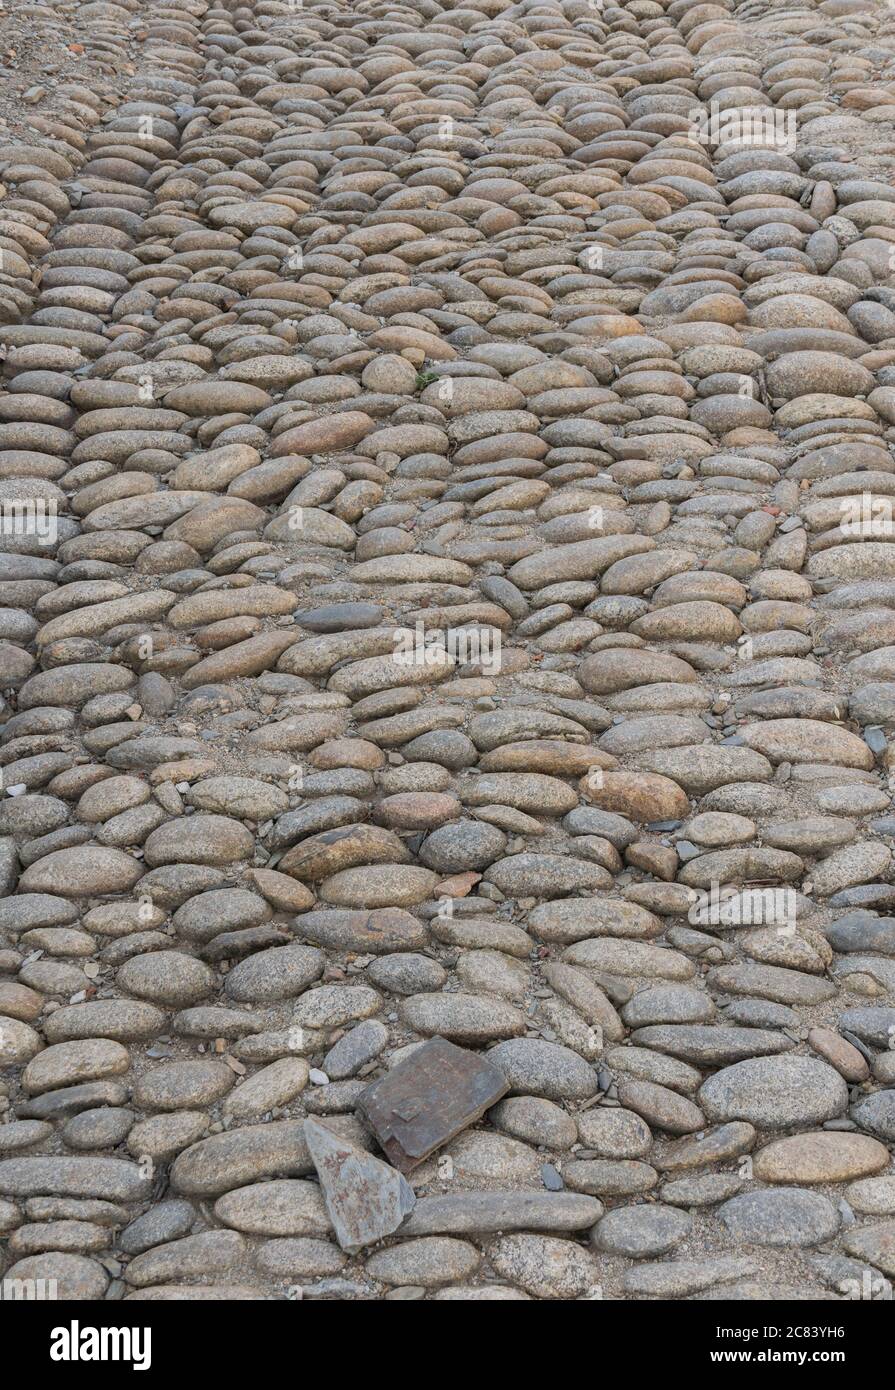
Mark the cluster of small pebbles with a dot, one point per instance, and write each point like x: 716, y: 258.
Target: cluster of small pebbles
x: 447, y: 580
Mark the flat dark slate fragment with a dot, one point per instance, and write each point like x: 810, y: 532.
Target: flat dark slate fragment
x: 366, y: 1199
x: 429, y: 1098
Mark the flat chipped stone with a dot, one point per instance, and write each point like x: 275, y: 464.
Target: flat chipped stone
x: 429, y: 1098
x: 366, y: 1199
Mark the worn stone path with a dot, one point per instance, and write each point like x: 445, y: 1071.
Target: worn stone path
x: 447, y: 589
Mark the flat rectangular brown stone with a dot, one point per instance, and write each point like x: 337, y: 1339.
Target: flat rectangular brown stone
x: 427, y: 1099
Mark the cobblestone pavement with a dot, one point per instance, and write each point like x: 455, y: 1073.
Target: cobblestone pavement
x: 447, y: 590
